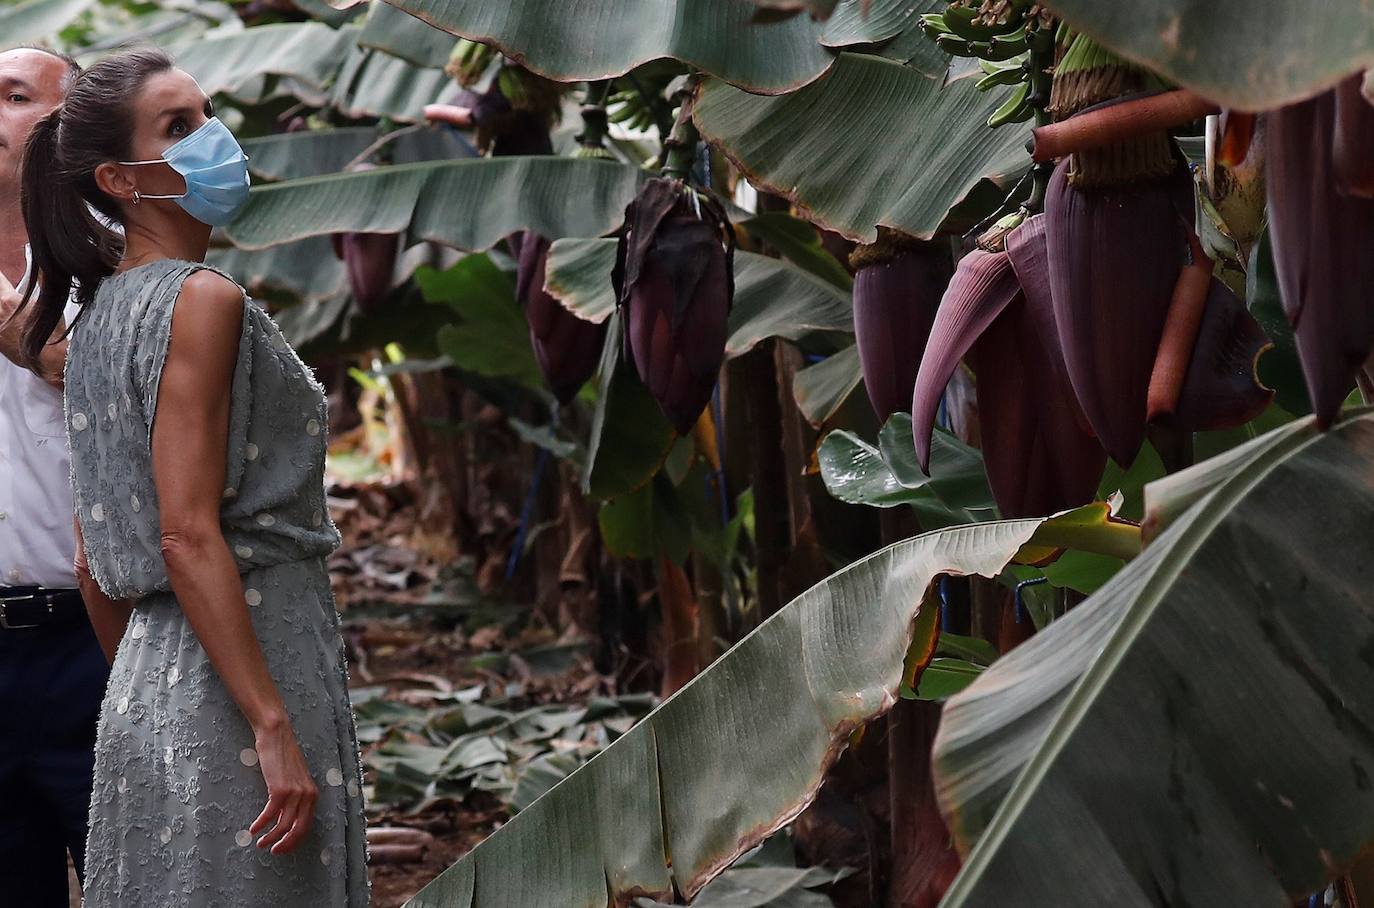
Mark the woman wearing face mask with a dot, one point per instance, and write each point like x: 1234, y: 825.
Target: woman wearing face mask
x: 227, y: 768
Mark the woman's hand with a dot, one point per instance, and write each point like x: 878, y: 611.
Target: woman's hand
x: 291, y: 793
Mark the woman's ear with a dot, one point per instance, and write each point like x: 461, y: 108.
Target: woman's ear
x: 114, y: 180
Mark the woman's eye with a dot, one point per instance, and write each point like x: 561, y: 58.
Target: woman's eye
x: 16, y: 98
x: 178, y: 127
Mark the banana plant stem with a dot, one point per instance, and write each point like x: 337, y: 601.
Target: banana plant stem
x: 1042, y: 81
x: 681, y: 145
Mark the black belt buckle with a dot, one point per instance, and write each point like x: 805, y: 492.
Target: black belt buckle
x: 4, y: 610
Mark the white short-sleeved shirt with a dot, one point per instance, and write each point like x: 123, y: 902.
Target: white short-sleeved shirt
x: 36, y: 537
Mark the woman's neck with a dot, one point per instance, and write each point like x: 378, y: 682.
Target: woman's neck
x: 143, y: 245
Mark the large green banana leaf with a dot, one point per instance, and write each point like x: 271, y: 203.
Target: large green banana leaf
x: 1199, y: 731
x: 308, y: 53
x: 773, y: 298
x: 376, y: 84
x: 400, y: 34
x: 1239, y: 53
x: 311, y: 153
x: 38, y: 20
x: 925, y: 148
x: 468, y: 204
x: 598, y: 39
x: 821, y: 389
x: 735, y: 754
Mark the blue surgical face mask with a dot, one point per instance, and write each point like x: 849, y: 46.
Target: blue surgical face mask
x: 216, y: 173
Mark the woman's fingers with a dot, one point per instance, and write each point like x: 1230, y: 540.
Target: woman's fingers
x: 268, y: 815
x: 300, y: 828
x: 289, y: 812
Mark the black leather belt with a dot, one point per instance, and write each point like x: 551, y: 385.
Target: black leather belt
x: 24, y: 607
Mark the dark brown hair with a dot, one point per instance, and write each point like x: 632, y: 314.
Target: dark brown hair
x: 71, y: 245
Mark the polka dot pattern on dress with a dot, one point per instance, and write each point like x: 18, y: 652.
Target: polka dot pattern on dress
x: 243, y: 838
x: 78, y: 422
x: 265, y: 519
x: 334, y: 777
x: 252, y: 597
x: 243, y: 551
x: 312, y: 427
x: 248, y: 757
x: 98, y: 512
x: 250, y: 451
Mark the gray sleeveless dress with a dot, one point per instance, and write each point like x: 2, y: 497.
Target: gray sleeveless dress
x: 176, y: 777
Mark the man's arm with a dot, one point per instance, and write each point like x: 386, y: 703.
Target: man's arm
x: 54, y: 357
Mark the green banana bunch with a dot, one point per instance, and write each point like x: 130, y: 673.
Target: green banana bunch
x: 1016, y: 109
x: 468, y: 61
x: 977, y: 23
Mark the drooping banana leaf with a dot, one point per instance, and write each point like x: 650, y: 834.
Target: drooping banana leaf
x: 734, y: 755
x: 925, y: 148
x: 375, y: 84
x: 306, y: 269
x: 307, y: 53
x: 1199, y: 731
x: 38, y: 20
x: 1246, y: 55
x: 295, y: 155
x: 599, y: 39
x: 879, y: 23
x: 630, y: 436
x: 772, y: 298
x: 469, y: 204
x: 392, y: 31
x: 822, y: 388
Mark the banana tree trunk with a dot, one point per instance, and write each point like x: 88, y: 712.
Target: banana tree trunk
x: 924, y: 861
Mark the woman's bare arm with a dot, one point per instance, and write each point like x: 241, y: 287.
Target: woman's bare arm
x: 109, y: 617
x: 190, y: 435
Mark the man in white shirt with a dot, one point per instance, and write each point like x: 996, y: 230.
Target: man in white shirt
x: 52, y: 671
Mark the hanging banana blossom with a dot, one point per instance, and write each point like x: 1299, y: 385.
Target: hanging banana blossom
x: 674, y: 282
x: 1039, y: 455
x: 1321, y: 221
x: 1116, y: 225
x: 898, y: 282
x: 369, y: 259
x: 566, y: 347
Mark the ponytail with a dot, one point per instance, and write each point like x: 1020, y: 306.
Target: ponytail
x: 68, y: 245
x: 67, y: 216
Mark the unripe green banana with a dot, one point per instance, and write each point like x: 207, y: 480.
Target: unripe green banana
x: 965, y: 23
x: 1015, y: 109
x: 1010, y: 75
x: 933, y: 24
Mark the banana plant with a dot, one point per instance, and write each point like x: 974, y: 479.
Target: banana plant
x: 743, y: 748
x: 1197, y: 730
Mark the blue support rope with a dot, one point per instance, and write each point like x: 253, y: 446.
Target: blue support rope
x: 526, y: 512
x: 718, y: 419
x: 1020, y: 607
x: 944, y: 605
